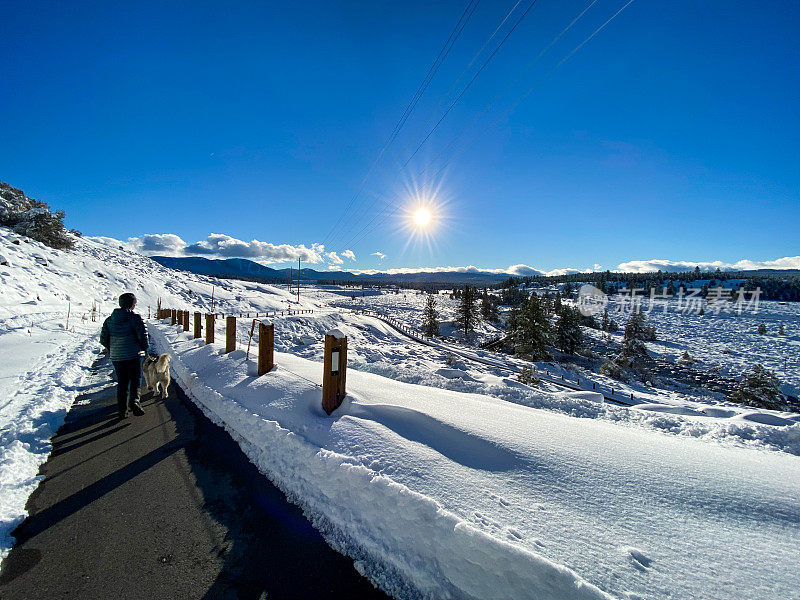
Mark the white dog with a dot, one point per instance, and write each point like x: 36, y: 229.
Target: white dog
x: 156, y: 373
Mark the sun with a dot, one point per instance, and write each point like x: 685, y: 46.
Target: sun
x: 422, y: 217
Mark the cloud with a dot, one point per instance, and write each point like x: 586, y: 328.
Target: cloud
x: 653, y: 265
x: 349, y: 254
x: 219, y: 244
x: 334, y: 258
x: 380, y: 255
x: 158, y: 243
x: 224, y: 246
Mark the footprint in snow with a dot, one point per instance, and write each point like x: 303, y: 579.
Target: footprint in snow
x: 638, y: 559
x: 514, y: 534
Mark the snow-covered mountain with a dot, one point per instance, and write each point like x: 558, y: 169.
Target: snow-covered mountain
x: 242, y: 267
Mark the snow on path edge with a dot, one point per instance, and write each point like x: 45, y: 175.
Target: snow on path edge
x: 25, y: 443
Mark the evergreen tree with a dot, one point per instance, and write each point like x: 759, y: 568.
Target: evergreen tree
x: 568, y: 332
x: 762, y: 329
x: 530, y: 329
x: 488, y: 307
x: 760, y: 388
x: 430, y: 320
x: 633, y: 356
x: 604, y: 325
x: 557, y: 308
x: 467, y: 312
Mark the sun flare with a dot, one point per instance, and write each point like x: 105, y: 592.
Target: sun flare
x: 422, y: 217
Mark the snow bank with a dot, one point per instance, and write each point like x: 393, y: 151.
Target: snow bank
x: 404, y: 541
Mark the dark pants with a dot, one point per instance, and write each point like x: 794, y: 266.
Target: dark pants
x: 129, y: 373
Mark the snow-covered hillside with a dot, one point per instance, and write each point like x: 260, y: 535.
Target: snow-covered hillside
x: 49, y: 339
x: 440, y: 476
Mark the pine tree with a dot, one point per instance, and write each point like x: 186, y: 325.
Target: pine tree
x: 568, y: 332
x: 467, y: 312
x: 530, y: 329
x: 557, y: 309
x: 633, y: 356
x: 430, y: 320
x: 488, y: 307
x: 634, y: 330
x: 604, y: 325
x: 760, y: 388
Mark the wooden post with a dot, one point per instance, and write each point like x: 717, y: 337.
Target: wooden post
x: 230, y: 334
x: 198, y: 327
x: 266, y: 347
x: 173, y: 316
x: 209, y: 329
x: 335, y: 371
x: 186, y: 320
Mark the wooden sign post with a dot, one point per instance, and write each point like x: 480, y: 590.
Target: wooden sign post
x: 335, y: 371
x: 266, y: 347
x: 198, y: 327
x: 209, y: 329
x: 186, y: 320
x: 230, y: 334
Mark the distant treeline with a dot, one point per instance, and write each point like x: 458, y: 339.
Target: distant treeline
x: 774, y: 285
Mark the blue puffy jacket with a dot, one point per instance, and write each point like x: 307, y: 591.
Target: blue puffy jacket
x: 124, y: 334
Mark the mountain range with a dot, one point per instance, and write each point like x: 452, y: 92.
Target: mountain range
x: 244, y: 268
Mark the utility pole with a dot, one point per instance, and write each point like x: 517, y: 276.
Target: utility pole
x: 298, y: 281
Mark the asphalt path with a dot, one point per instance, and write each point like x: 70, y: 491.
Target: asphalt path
x: 163, y: 506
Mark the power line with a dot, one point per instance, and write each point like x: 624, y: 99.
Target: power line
x: 461, y: 94
x: 458, y: 79
x: 445, y: 50
x: 471, y: 81
x: 385, y: 215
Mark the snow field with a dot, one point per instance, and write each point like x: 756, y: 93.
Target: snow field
x: 399, y: 465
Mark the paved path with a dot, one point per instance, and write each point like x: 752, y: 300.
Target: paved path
x: 163, y: 506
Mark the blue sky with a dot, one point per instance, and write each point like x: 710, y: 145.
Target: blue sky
x: 673, y: 134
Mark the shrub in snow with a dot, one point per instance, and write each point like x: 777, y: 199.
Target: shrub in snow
x: 527, y: 376
x: 686, y: 359
x: 781, y: 330
x: 762, y: 329
x: 32, y: 218
x: 760, y: 388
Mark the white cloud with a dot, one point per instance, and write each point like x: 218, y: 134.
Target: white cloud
x: 349, y: 254
x: 334, y: 258
x: 380, y: 255
x: 158, y: 243
x: 224, y: 246
x: 653, y: 265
